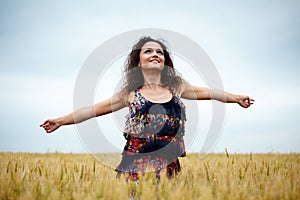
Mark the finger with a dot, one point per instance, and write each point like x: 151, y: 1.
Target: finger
x: 41, y: 125
x: 248, y: 99
x: 45, y: 126
x: 44, y: 123
x: 49, y: 130
x: 251, y: 101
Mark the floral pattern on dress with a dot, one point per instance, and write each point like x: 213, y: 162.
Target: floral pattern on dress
x: 154, y: 134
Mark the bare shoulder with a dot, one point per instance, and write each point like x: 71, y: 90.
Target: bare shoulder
x: 129, y: 98
x: 122, y: 98
x: 181, y: 88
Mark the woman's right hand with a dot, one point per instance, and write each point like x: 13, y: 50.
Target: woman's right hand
x: 50, y: 125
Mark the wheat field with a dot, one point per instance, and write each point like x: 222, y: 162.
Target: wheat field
x: 217, y: 176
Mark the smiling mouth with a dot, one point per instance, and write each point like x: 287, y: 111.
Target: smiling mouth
x: 155, y: 61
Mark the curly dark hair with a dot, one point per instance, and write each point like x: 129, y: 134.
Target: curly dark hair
x: 132, y: 73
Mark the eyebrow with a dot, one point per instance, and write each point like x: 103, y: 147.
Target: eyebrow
x: 152, y: 48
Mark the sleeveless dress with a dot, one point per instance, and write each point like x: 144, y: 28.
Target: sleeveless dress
x: 154, y: 134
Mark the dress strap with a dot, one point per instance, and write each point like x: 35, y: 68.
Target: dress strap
x: 138, y: 93
x: 174, y: 93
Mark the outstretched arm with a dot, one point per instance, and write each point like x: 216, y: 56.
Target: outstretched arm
x: 114, y: 103
x: 201, y: 93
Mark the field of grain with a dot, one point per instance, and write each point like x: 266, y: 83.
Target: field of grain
x: 217, y: 176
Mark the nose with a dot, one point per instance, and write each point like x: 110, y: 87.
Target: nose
x: 155, y: 54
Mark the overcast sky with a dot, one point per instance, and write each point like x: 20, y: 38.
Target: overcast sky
x: 253, y: 44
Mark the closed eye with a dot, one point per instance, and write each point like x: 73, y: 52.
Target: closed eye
x: 160, y: 52
x: 147, y: 51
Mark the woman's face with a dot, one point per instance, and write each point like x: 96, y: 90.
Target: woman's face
x: 152, y: 57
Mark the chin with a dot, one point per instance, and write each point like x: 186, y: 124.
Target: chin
x: 153, y: 67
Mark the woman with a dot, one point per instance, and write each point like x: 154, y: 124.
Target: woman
x: 155, y: 123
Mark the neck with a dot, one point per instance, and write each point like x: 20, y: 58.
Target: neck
x: 152, y: 80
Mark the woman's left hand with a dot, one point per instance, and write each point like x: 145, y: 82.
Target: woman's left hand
x: 245, y: 101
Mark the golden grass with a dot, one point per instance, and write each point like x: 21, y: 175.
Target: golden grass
x: 217, y: 176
